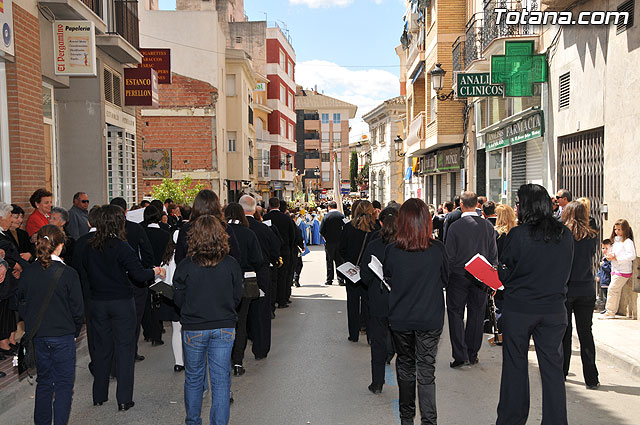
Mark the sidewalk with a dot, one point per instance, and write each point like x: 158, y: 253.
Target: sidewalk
x: 617, y: 342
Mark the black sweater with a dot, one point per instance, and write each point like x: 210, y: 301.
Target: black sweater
x: 535, y: 272
x: 269, y: 241
x: 351, y: 242
x: 109, y: 271
x: 378, y: 293
x: 582, y: 282
x: 63, y: 316
x: 468, y: 236
x: 332, y: 225
x: 249, y: 248
x: 416, y: 300
x: 286, y: 228
x: 208, y: 296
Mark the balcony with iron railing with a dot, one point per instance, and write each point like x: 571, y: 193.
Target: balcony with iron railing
x: 311, y: 136
x: 492, y: 30
x: 122, y: 19
x: 457, y: 56
x: 473, y: 40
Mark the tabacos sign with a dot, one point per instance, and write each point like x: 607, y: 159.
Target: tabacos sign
x: 477, y: 85
x: 160, y: 60
x: 141, y: 87
x: 74, y: 47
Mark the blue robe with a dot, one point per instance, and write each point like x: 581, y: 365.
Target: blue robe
x: 315, y: 233
x: 305, y: 235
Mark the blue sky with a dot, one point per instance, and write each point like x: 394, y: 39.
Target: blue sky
x: 345, y: 47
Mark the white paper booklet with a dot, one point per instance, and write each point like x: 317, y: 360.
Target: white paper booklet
x: 376, y: 266
x: 350, y: 271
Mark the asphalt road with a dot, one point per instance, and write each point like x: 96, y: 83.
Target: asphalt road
x: 313, y: 375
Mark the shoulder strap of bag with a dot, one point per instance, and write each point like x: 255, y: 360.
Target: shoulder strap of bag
x: 364, y: 243
x: 47, y: 299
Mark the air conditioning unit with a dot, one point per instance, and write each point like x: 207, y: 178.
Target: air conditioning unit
x: 413, y: 20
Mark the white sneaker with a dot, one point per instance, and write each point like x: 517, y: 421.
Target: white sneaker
x: 607, y: 316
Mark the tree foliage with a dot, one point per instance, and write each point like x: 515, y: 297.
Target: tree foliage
x: 182, y: 192
x: 353, y: 171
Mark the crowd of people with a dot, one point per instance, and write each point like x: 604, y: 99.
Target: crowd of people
x: 219, y: 274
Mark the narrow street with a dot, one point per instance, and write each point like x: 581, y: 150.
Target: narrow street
x: 313, y: 375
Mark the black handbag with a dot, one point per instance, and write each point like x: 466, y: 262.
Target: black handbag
x: 26, y: 351
x: 251, y: 289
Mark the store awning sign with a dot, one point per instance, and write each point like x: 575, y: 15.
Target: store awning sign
x: 524, y: 129
x: 429, y: 163
x: 160, y: 60
x: 448, y: 160
x: 141, y: 87
x: 477, y: 85
x: 74, y: 46
x: 519, y: 68
x: 6, y: 24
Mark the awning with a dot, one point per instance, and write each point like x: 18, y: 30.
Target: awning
x: 417, y: 73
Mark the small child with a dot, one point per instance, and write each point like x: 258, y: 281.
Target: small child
x: 603, y: 278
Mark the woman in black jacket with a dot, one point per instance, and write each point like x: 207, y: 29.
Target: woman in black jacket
x: 355, y: 236
x: 206, y: 203
x: 54, y: 340
x: 208, y: 289
x: 536, y: 263
x: 109, y: 263
x: 416, y: 269
x: 378, y: 329
x: 581, y: 295
x: 251, y: 262
x: 158, y: 308
x: 19, y: 236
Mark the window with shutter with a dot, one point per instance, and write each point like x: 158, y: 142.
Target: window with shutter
x: 565, y: 90
x: 627, y: 6
x: 108, y: 86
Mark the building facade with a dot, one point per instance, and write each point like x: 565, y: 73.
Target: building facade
x: 322, y: 138
x: 386, y: 171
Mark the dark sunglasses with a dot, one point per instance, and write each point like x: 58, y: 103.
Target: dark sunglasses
x: 85, y: 201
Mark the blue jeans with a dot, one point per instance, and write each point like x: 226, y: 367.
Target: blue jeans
x: 56, y: 365
x: 212, y: 347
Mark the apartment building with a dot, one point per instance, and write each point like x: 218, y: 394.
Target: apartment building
x: 63, y: 117
x: 433, y: 168
x: 322, y: 139
x: 386, y: 171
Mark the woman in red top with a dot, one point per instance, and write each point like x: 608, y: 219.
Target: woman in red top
x: 41, y: 201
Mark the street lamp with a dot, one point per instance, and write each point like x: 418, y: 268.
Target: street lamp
x: 437, y: 82
x: 398, y: 141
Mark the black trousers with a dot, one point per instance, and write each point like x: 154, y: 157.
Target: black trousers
x: 465, y: 340
x: 357, y: 303
x: 283, y: 276
x: 547, y: 331
x: 582, y: 308
x: 140, y: 296
x: 151, y: 324
x: 114, y: 326
x: 273, y: 282
x: 89, y: 330
x: 381, y: 347
x: 240, y: 343
x: 332, y: 255
x: 417, y: 352
x: 260, y: 316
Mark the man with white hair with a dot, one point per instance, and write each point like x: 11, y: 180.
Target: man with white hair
x: 12, y: 256
x: 260, y: 309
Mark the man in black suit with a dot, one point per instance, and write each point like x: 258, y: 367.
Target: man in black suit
x: 455, y: 215
x: 331, y: 230
x: 285, y: 227
x: 260, y: 309
x: 468, y: 236
x: 139, y: 241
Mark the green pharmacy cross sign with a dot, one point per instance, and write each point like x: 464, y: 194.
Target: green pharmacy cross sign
x: 518, y: 68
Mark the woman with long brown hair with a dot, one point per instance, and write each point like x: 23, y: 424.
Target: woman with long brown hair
x: 416, y: 269
x: 109, y: 263
x: 581, y: 293
x: 207, y: 288
x: 57, y: 327
x: 355, y: 236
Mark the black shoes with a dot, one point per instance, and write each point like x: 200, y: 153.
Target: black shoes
x: 2, y: 374
x: 157, y: 342
x: 352, y: 339
x: 126, y: 406
x: 594, y: 387
x: 178, y: 368
x: 327, y: 283
x: 458, y: 364
x: 283, y: 305
x: 238, y: 370
x: 297, y: 284
x: 376, y: 389
x: 342, y: 283
x: 474, y: 361
x: 98, y: 403
x: 139, y: 358
x: 261, y: 357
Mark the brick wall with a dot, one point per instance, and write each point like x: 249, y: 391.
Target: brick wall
x: 24, y: 96
x: 190, y: 138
